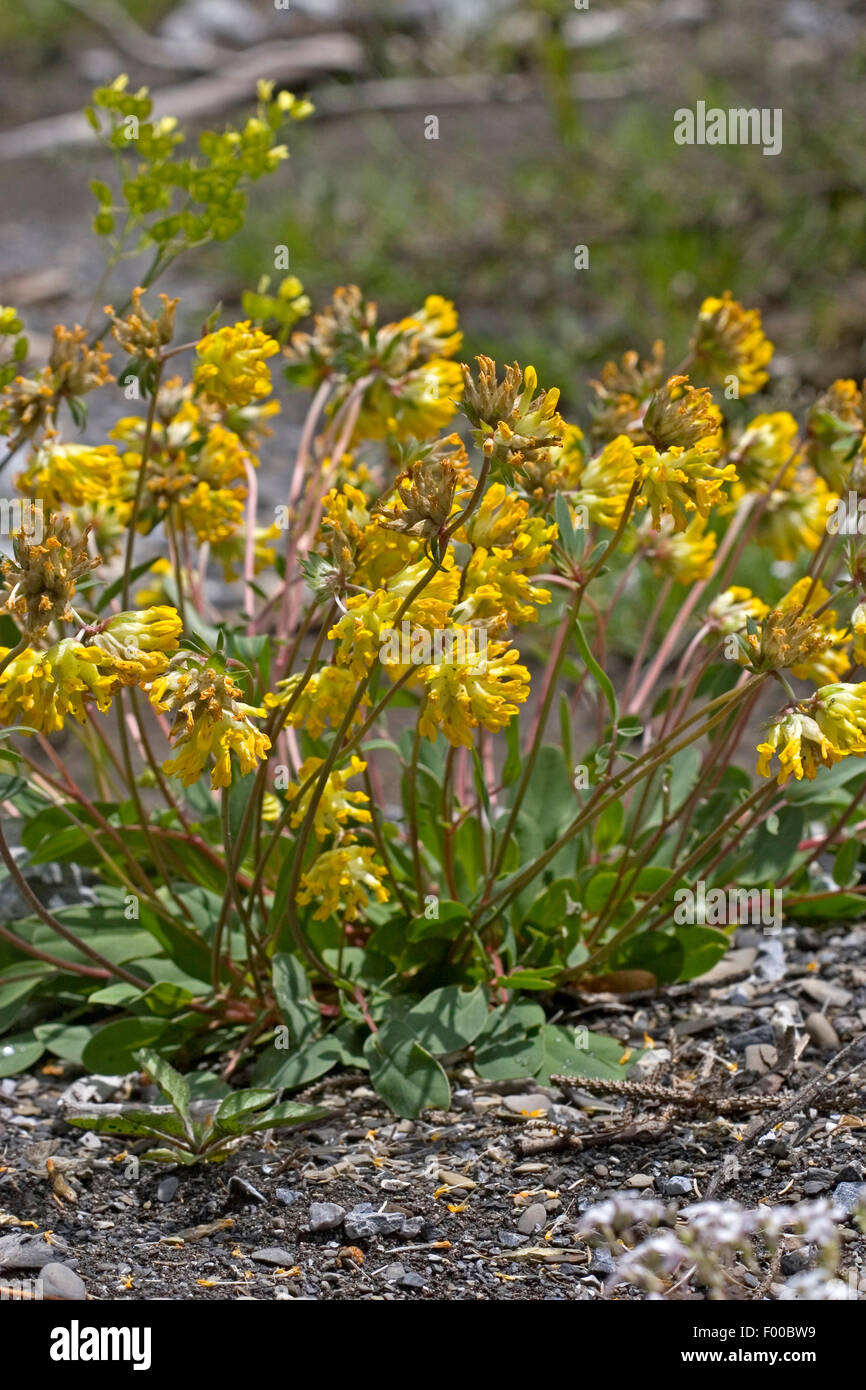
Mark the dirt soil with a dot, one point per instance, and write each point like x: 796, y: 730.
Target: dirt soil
x: 483, y: 1202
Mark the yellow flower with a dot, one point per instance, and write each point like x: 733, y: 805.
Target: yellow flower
x: 764, y: 446
x: 839, y: 710
x: 834, y: 432
x: 41, y: 576
x: 729, y: 341
x: 516, y: 427
x: 798, y: 637
x: 605, y: 484
x: 322, y: 702
x: 416, y: 405
x: 343, y: 878
x: 681, y: 481
x: 687, y: 556
x: 41, y: 688
x: 213, y: 514
x: 460, y: 696
x: 336, y: 805
x: 496, y: 584
x: 74, y: 475
x: 137, y: 642
x: 361, y: 632
x: 558, y: 468
x: 621, y: 393
x: 800, y: 745
x: 210, y: 720
x: 731, y: 611
x: 232, y: 365
x: 795, y: 517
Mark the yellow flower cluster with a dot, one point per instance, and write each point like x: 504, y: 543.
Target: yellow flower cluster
x: 210, y: 720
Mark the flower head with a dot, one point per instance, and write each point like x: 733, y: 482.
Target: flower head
x: 41, y: 577
x: 232, y: 364
x: 681, y: 481
x: 679, y: 413
x: 729, y: 341
x: 336, y: 805
x: 138, y: 642
x: 621, y: 395
x: 343, y: 880
x: 139, y: 333
x: 41, y: 688
x: 484, y: 690
x: 210, y: 719
x: 800, y: 745
x: 764, y: 447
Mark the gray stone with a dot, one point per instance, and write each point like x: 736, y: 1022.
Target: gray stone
x: 411, y: 1280
x: 273, y: 1255
x: 532, y: 1219
x: 29, y: 1252
x: 678, y: 1187
x: 793, y: 1262
x: 510, y: 1239
x: 761, y: 1057
x: 167, y: 1188
x: 325, y: 1216
x: 753, y: 1037
x: 392, y: 1274
x: 825, y: 993
x: 60, y: 1282
x: 366, y: 1221
x: 822, y: 1033
x: 413, y: 1226
x: 848, y: 1196
x: 602, y: 1261
x: 288, y: 1196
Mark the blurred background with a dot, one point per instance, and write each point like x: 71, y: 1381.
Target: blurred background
x: 555, y: 130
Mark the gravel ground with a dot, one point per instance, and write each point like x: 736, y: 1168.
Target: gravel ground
x: 483, y: 1202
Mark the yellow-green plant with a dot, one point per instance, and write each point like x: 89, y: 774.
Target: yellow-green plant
x: 326, y: 827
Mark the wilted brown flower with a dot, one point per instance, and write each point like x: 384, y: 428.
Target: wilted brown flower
x: 40, y: 580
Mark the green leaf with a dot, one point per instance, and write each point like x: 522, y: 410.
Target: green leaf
x: 18, y: 1053
x: 530, y: 979
x: 13, y: 999
x: 598, y: 1055
x: 112, y: 1049
x: 239, y: 1106
x: 169, y: 1081
x: 447, y: 924
x: 290, y: 1112
x: 511, y: 1044
x: 293, y: 994
x: 608, y: 827
x: 845, y: 864
x: 449, y: 1019
x: 404, y: 1074
x: 702, y: 947
x: 513, y: 762
x: 289, y: 1070
x: 601, y: 678
x: 64, y: 1040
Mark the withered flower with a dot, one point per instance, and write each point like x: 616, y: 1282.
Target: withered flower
x: 40, y: 578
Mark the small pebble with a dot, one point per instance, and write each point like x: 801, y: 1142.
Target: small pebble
x: 532, y: 1219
